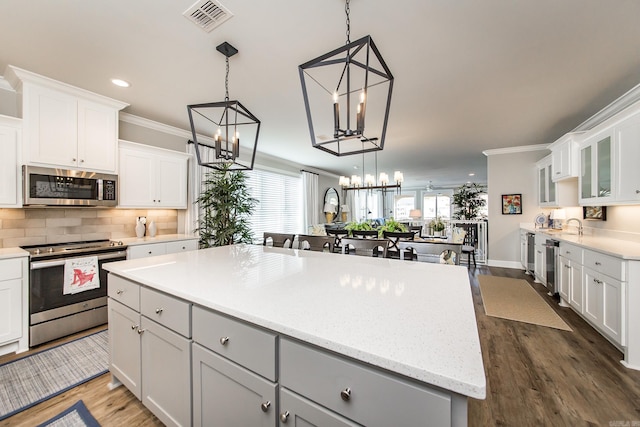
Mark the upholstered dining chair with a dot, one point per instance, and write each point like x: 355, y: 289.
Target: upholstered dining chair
x: 278, y: 240
x: 339, y: 234
x: 443, y: 253
x: 316, y: 243
x: 470, y: 242
x: 366, y: 247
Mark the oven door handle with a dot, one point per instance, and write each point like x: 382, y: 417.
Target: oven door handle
x: 55, y: 263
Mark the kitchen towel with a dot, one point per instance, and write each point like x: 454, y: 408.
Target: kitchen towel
x: 81, y: 274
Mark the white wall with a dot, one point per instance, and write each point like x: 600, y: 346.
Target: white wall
x: 510, y: 173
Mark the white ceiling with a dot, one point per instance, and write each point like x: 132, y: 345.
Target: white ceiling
x: 469, y: 75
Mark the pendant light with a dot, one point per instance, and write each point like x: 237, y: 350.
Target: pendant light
x: 341, y: 89
x: 224, y: 123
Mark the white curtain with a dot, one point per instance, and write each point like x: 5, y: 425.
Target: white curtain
x: 311, y: 198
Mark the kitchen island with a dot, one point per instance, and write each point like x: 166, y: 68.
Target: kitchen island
x: 339, y: 338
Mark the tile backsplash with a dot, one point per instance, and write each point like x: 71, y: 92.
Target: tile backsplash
x: 34, y: 226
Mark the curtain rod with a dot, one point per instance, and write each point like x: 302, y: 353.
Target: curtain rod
x: 315, y: 173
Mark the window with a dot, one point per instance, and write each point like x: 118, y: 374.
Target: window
x: 280, y: 202
x: 403, y: 205
x: 436, y: 206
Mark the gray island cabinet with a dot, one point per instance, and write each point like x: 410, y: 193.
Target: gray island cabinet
x: 258, y: 336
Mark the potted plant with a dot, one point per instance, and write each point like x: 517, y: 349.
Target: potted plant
x: 467, y: 201
x: 358, y: 226
x: 225, y: 205
x: 437, y: 225
x: 391, y: 225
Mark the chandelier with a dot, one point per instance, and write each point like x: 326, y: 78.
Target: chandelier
x: 341, y: 89
x: 356, y: 182
x: 222, y: 122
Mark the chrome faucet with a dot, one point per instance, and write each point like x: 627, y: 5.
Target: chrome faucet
x: 580, y: 229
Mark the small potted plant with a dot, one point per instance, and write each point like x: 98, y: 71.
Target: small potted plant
x: 391, y: 225
x: 437, y: 225
x: 358, y: 226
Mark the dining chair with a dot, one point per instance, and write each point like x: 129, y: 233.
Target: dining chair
x: 316, y: 243
x: 339, y: 234
x: 444, y: 253
x: 278, y: 240
x: 416, y: 229
x: 366, y: 247
x: 365, y: 234
x: 470, y: 242
x: 394, y: 237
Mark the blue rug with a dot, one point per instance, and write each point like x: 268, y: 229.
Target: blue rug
x: 76, y: 416
x: 35, y: 378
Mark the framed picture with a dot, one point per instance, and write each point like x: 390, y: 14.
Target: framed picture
x: 511, y: 204
x: 594, y: 212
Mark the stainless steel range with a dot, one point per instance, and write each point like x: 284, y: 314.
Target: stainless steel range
x: 54, y: 313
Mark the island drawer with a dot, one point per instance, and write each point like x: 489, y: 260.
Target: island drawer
x: 358, y: 392
x: 124, y: 291
x: 571, y: 252
x: 11, y: 269
x: 605, y: 264
x: 248, y: 346
x: 147, y: 250
x: 166, y: 310
x: 181, y: 246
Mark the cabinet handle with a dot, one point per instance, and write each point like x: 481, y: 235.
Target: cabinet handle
x: 597, y: 281
x: 140, y: 331
x: 558, y: 173
x: 346, y: 394
x: 73, y: 160
x: 81, y: 160
x: 224, y: 340
x: 598, y: 263
x: 637, y: 191
x: 150, y: 252
x: 568, y: 252
x: 159, y: 310
x: 133, y: 328
x: 284, y: 417
x: 566, y: 266
x: 119, y: 291
x: 265, y: 406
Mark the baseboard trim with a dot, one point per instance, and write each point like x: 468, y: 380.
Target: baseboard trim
x: 504, y: 264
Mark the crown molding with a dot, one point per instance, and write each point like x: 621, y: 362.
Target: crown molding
x: 5, y: 85
x: 626, y: 100
x: 514, y: 150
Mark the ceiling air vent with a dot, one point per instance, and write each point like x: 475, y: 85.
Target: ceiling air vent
x: 207, y: 14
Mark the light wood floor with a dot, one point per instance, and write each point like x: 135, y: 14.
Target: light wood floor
x: 536, y: 376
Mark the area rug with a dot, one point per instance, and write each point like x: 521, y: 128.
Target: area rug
x: 76, y: 416
x: 32, y: 379
x: 515, y: 299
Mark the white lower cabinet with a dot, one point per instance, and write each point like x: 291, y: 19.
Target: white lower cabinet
x: 576, y: 294
x: 226, y: 394
x: 153, y: 249
x: 150, y: 348
x: 539, y: 259
x: 564, y: 279
x: 604, y: 304
x: 13, y: 305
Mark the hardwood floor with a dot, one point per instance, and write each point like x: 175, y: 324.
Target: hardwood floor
x: 536, y: 376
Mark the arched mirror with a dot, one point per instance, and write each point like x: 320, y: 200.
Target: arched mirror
x: 331, y: 205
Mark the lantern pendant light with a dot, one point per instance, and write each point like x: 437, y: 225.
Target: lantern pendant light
x: 356, y: 79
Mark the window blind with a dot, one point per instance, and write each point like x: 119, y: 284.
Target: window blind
x: 280, y: 205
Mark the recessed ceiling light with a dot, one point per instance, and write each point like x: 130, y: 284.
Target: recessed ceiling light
x: 472, y: 174
x: 120, y: 82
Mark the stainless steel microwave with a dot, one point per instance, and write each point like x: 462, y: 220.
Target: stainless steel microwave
x: 61, y: 187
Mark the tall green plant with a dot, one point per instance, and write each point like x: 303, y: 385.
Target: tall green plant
x: 467, y: 201
x: 225, y: 205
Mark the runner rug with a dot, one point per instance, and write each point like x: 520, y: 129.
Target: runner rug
x: 76, y: 416
x: 515, y: 299
x: 35, y: 378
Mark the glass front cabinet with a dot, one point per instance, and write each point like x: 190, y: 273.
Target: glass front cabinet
x: 596, y: 168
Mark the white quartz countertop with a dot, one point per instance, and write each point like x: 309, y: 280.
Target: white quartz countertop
x: 624, y: 249
x: 162, y: 238
x: 6, y: 253
x: 415, y: 319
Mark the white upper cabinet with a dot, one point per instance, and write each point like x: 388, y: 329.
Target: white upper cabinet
x: 64, y: 126
x: 152, y: 177
x: 552, y: 193
x: 627, y: 160
x: 565, y: 157
x: 596, y: 168
x: 10, y: 181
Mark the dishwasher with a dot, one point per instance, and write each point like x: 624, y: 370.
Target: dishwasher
x: 551, y: 255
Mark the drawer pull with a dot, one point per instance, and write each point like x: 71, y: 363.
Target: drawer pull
x: 140, y: 331
x: 346, y: 394
x: 119, y: 292
x: 568, y: 252
x: 224, y: 340
x: 598, y: 263
x: 265, y: 406
x: 134, y: 327
x: 284, y: 417
x: 637, y: 191
x: 159, y: 310
x: 597, y: 281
